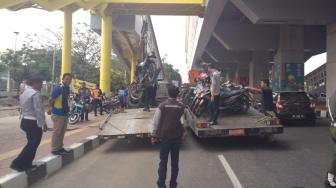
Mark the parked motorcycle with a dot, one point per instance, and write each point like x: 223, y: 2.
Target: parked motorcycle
x: 233, y: 99
x: 77, y: 110
x: 236, y: 101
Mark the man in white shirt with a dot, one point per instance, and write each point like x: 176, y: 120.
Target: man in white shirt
x: 33, y: 122
x: 215, y: 91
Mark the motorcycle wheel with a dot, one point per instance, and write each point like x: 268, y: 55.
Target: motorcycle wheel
x: 245, y: 105
x: 199, y: 111
x: 73, y: 118
x: 151, y: 71
x: 135, y: 92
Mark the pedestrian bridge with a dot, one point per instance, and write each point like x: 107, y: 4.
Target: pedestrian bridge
x: 117, y: 22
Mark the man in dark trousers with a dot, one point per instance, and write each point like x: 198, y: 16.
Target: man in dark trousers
x: 97, y: 100
x: 215, y: 92
x: 168, y: 131
x: 33, y: 122
x: 84, y: 95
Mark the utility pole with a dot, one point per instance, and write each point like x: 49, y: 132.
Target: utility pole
x: 53, y: 68
x: 9, y: 82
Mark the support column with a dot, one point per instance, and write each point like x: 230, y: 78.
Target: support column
x: 133, y: 64
x: 105, y: 65
x: 259, y: 67
x: 331, y: 59
x: 66, y: 49
x: 288, y: 70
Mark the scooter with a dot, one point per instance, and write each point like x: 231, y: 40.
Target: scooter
x: 77, y: 110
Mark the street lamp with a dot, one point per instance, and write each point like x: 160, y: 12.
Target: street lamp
x: 9, y: 84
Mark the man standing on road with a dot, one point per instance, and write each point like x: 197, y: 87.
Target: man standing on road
x: 266, y: 95
x: 215, y: 91
x: 97, y: 100
x: 168, y: 131
x: 84, y: 95
x: 32, y: 123
x: 59, y: 114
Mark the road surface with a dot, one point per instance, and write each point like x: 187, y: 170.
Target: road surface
x: 298, y: 159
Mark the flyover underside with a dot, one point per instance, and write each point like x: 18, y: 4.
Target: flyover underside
x: 234, y: 30
x: 129, y: 7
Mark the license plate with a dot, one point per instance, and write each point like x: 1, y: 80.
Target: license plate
x: 298, y: 116
x: 237, y: 132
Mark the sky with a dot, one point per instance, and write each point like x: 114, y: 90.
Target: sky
x: 169, y: 30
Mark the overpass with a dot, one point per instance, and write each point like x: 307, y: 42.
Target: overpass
x: 115, y: 20
x: 252, y: 37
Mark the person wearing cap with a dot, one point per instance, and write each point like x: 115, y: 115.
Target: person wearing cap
x: 169, y: 132
x: 33, y: 122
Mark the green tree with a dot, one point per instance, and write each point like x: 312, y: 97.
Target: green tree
x: 171, y: 73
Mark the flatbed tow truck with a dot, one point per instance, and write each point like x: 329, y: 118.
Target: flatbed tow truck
x: 138, y: 124
x: 252, y: 123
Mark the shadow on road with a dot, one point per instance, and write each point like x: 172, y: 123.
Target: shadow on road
x: 239, y: 143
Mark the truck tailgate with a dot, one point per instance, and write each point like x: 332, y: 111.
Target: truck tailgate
x: 133, y: 123
x: 248, y: 124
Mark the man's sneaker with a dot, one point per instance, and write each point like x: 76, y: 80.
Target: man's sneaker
x: 61, y: 152
x: 330, y: 182
x: 213, y: 123
x: 17, y: 168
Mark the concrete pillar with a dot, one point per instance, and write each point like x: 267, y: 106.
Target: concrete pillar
x: 288, y: 70
x: 105, y: 65
x: 331, y: 59
x: 66, y: 48
x: 236, y: 75
x: 259, y: 67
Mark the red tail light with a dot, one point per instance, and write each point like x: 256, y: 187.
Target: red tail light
x: 279, y: 106
x: 312, y: 105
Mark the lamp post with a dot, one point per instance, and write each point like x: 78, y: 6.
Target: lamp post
x: 9, y: 84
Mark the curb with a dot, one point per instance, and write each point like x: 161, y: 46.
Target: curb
x: 49, y: 164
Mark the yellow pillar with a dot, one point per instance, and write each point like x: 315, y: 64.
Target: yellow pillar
x: 133, y: 63
x: 105, y: 65
x: 66, y: 49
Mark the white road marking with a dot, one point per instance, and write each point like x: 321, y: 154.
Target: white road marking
x: 230, y: 172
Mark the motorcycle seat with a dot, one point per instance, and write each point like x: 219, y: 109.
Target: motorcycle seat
x: 227, y: 94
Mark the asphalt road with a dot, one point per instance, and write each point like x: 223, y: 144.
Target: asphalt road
x: 298, y: 159
x: 12, y: 138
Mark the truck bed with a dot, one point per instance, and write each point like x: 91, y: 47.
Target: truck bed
x: 133, y: 123
x: 233, y: 125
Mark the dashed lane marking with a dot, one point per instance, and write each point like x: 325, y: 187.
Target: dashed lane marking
x: 230, y: 172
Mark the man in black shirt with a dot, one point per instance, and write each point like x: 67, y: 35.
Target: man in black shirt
x: 266, y: 95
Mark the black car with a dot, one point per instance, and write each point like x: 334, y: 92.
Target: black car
x: 295, y: 107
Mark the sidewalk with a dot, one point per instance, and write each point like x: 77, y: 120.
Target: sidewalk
x: 12, y: 139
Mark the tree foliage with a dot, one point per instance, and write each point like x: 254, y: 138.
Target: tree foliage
x: 171, y: 73
x: 36, y: 57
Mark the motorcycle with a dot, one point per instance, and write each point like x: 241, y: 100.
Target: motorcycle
x: 232, y: 99
x: 236, y: 101
x: 144, y: 70
x: 77, y: 110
